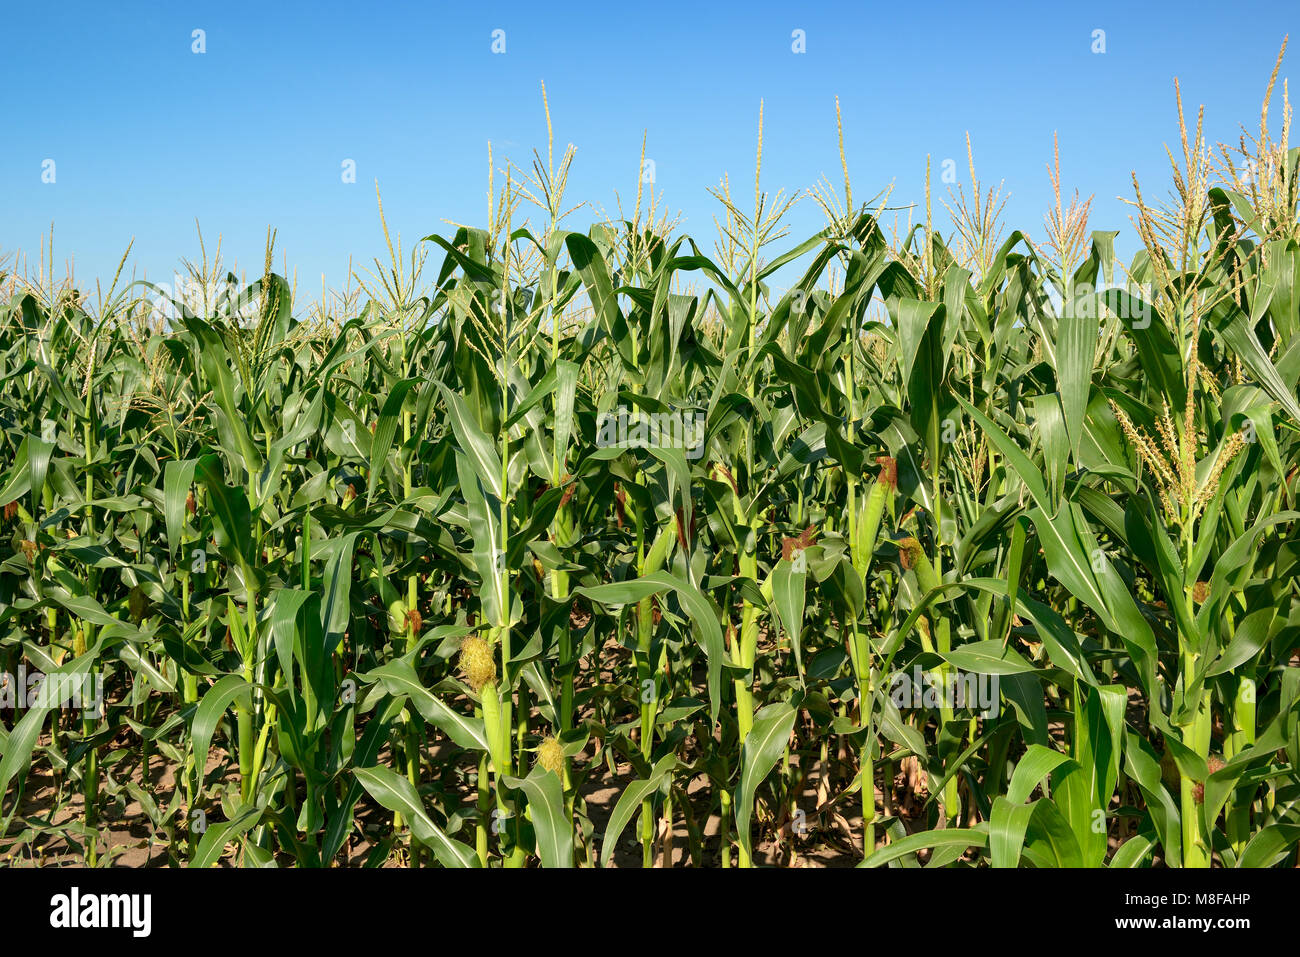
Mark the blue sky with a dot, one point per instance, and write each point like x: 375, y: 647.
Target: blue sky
x: 147, y: 135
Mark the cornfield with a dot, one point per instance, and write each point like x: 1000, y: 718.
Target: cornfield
x: 595, y: 549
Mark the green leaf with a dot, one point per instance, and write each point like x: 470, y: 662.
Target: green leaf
x: 211, y: 707
x: 788, y: 589
x: 385, y: 430
x: 1076, y: 345
x: 763, y: 746
x: 1008, y: 823
x: 397, y: 794
x: 988, y: 658
x: 1269, y: 845
x: 217, y: 836
x: 474, y: 442
x: 704, y: 617
x: 1036, y: 764
x: 177, y: 479
x: 629, y: 802
x: 399, y: 679
x: 948, y: 837
x: 551, y: 823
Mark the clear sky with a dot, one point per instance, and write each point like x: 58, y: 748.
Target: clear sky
x: 147, y: 135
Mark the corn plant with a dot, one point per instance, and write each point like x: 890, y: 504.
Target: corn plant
x: 587, y: 548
